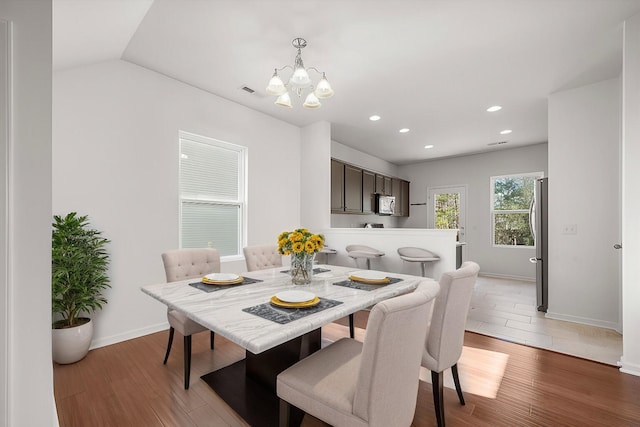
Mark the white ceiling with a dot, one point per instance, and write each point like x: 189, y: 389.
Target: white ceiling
x: 433, y: 66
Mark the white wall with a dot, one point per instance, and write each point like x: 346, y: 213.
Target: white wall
x: 115, y: 158
x: 315, y: 176
x: 355, y: 157
x: 584, y: 141
x: 25, y: 300
x: 475, y: 172
x: 631, y: 202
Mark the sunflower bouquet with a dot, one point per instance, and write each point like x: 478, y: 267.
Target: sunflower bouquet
x: 302, y: 245
x: 299, y: 241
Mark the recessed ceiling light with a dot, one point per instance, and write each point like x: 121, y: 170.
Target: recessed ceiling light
x: 404, y: 130
x: 428, y: 146
x: 505, y: 132
x: 374, y: 118
x: 494, y: 108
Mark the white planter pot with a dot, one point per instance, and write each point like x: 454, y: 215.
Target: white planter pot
x: 71, y: 344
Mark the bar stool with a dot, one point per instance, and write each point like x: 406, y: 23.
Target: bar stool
x: 361, y: 251
x: 356, y: 252
x: 420, y: 255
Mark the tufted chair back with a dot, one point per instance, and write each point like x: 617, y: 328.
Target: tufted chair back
x: 182, y: 264
x: 262, y: 257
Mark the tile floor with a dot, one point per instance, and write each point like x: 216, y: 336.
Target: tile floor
x: 505, y: 309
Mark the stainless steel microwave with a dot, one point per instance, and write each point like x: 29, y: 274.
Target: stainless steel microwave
x: 385, y: 205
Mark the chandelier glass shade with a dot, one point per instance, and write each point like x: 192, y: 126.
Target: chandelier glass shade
x: 299, y: 82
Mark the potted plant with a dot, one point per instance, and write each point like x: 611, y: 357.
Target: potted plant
x: 79, y: 264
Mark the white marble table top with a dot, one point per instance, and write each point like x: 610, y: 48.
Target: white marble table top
x: 221, y: 311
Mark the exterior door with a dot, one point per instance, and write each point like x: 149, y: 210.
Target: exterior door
x: 447, y: 207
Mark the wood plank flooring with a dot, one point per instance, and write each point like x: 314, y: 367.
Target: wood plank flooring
x: 126, y: 384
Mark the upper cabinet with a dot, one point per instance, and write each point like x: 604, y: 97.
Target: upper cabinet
x: 368, y: 192
x: 337, y: 186
x: 353, y: 190
x: 400, y: 190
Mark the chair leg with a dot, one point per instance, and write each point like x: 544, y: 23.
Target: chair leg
x: 212, y: 335
x: 166, y: 356
x: 285, y: 413
x: 456, y: 380
x: 351, y: 330
x: 187, y: 361
x: 438, y: 396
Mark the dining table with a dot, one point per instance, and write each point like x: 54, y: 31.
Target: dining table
x: 274, y: 337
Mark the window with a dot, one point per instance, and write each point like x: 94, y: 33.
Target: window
x: 212, y: 194
x: 511, y: 199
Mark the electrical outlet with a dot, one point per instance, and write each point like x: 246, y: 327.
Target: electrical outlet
x: 570, y: 229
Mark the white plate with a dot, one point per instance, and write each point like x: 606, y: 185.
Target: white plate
x: 295, y: 296
x: 222, y: 277
x: 369, y: 275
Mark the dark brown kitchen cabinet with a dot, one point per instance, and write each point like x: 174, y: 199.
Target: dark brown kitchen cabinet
x: 384, y: 185
x: 388, y: 186
x: 400, y: 190
x: 352, y: 189
x: 337, y: 186
x: 405, y: 198
x: 368, y: 190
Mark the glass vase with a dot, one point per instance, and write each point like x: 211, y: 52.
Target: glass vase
x: 302, y: 268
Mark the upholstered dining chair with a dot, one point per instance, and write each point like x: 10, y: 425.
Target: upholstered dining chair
x: 374, y: 383
x: 182, y: 264
x: 443, y: 346
x: 260, y: 257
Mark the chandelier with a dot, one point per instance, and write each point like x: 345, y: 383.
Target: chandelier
x: 299, y: 82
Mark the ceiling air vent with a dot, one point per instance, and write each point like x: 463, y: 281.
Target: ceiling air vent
x: 497, y: 143
x: 252, y: 92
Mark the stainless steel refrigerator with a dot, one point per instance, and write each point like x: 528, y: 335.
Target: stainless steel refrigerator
x: 539, y: 228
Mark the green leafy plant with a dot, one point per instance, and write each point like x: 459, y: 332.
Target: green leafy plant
x: 79, y: 264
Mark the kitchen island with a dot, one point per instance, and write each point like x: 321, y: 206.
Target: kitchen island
x: 440, y: 242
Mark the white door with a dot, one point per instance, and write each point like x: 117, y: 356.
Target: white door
x: 446, y: 207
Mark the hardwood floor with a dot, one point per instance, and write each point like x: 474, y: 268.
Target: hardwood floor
x: 126, y: 384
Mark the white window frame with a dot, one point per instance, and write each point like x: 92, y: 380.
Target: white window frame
x: 241, y: 202
x: 492, y: 211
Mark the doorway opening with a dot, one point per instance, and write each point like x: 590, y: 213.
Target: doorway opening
x: 446, y: 207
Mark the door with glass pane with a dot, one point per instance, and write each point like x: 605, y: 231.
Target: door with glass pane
x: 446, y: 208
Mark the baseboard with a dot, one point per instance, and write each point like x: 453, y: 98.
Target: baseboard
x: 629, y: 368
x: 506, y: 276
x: 583, y: 320
x: 136, y: 333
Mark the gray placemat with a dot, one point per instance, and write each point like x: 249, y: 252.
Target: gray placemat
x: 212, y: 288
x: 315, y: 270
x: 366, y: 286
x: 284, y: 315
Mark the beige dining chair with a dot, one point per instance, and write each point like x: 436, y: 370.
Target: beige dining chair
x: 374, y: 383
x: 182, y: 264
x: 443, y: 346
x: 261, y: 257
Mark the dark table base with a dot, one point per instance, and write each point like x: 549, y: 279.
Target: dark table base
x: 249, y: 385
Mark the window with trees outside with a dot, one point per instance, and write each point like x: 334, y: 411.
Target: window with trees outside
x: 511, y: 200
x: 212, y: 194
